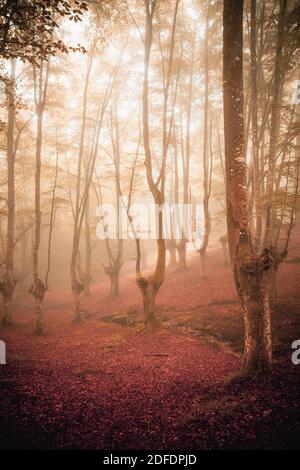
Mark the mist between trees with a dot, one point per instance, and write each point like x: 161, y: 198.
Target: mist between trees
x: 178, y: 220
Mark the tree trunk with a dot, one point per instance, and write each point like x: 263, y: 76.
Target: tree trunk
x: 37, y: 231
x: 254, y: 117
x: 113, y: 271
x: 39, y: 322
x: 115, y: 283
x: 255, y: 292
x: 38, y: 288
x: 275, y: 121
x: 181, y: 249
x: 171, y: 247
x: 186, y: 158
x: 149, y: 289
x: 76, y: 302
x: 9, y: 281
x: 251, y: 273
x: 76, y: 285
x: 25, y: 260
x: 156, y: 187
x: 205, y: 159
x: 224, y: 243
x: 88, y: 250
x: 144, y: 260
x: 273, y: 287
x: 149, y: 303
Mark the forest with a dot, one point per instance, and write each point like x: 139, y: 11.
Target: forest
x: 149, y: 237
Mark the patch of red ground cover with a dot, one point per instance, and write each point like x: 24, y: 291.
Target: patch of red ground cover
x: 103, y: 385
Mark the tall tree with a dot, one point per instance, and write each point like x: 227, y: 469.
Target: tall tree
x: 38, y: 289
x: 8, y: 284
x: 82, y: 190
x: 186, y: 151
x: 206, y: 161
x: 150, y: 286
x: 274, y: 125
x: 76, y: 285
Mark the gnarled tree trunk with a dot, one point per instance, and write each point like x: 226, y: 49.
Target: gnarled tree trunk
x: 251, y: 273
x: 150, y: 286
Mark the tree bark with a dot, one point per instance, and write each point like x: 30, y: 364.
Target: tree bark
x: 38, y: 288
x: 8, y: 285
x: 251, y: 273
x: 186, y: 157
x: 171, y: 247
x: 254, y: 118
x: 113, y: 272
x: 76, y: 285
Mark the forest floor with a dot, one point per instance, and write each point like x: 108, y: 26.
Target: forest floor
x: 106, y: 383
